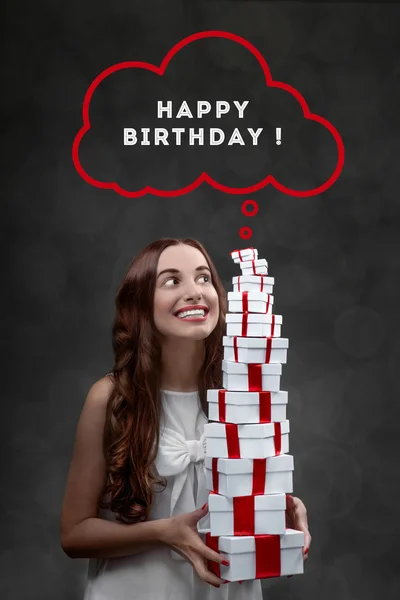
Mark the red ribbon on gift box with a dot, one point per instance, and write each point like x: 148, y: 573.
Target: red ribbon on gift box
x: 254, y: 375
x: 221, y: 406
x: 264, y: 406
x: 245, y: 318
x: 245, y: 302
x: 232, y: 440
x: 268, y: 348
x: 235, y: 349
x: 268, y: 555
x: 259, y: 476
x: 243, y: 515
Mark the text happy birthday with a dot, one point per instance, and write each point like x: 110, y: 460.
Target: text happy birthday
x: 212, y: 136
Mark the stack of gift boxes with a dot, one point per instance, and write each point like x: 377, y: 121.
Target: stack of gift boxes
x: 248, y: 470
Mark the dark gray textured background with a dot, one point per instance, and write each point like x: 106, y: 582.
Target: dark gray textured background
x: 335, y: 259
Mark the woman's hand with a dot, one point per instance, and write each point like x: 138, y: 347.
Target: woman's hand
x: 180, y: 534
x: 296, y: 518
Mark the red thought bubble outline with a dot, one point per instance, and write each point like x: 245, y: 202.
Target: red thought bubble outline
x: 204, y: 176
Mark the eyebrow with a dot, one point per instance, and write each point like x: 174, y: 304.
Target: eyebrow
x: 201, y: 268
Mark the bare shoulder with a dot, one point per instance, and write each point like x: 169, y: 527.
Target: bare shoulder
x: 102, y: 389
x: 99, y: 394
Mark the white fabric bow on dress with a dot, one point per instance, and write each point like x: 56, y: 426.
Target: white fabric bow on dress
x: 175, y: 454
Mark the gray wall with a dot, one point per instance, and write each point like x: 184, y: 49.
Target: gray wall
x: 334, y: 257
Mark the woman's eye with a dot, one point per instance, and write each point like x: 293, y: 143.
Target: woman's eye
x: 172, y: 279
x: 207, y: 277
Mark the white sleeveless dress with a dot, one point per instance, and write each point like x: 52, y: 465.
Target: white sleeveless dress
x: 160, y: 573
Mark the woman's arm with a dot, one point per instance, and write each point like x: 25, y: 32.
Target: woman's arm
x: 83, y: 534
x: 98, y: 538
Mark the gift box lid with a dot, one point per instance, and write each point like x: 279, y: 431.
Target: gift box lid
x: 254, y: 342
x: 242, y: 368
x: 216, y: 502
x: 246, y: 543
x: 247, y: 430
x: 256, y: 296
x: 246, y: 398
x: 252, y: 318
x: 240, y: 466
x: 245, y: 252
x: 259, y: 262
x: 254, y: 279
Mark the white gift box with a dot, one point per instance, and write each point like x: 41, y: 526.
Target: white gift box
x: 247, y: 407
x: 253, y: 325
x: 242, y: 377
x: 252, y: 350
x: 243, y: 255
x: 257, y: 440
x: 247, y: 515
x: 245, y: 476
x: 258, y: 557
x: 254, y: 267
x: 253, y: 283
x: 252, y: 302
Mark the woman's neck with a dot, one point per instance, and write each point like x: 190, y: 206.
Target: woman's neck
x: 181, y: 362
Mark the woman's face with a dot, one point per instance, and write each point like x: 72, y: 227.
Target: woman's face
x: 184, y: 284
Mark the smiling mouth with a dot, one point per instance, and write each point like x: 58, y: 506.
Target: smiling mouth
x: 193, y: 315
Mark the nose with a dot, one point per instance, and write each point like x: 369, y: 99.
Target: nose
x: 192, y: 291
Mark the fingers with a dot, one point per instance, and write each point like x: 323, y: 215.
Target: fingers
x: 206, y: 554
x: 209, y: 554
x: 307, y: 543
x: 199, y: 564
x: 195, y: 516
x: 205, y: 551
x: 307, y: 539
x: 289, y: 501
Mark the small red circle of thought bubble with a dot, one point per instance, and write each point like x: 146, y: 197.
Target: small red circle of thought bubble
x: 245, y: 233
x: 245, y: 210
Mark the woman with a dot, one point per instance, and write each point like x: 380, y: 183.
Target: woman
x: 136, y: 480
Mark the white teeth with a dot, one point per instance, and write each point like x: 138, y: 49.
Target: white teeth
x: 186, y: 313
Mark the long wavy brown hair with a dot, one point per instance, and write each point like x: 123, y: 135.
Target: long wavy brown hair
x: 131, y: 433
